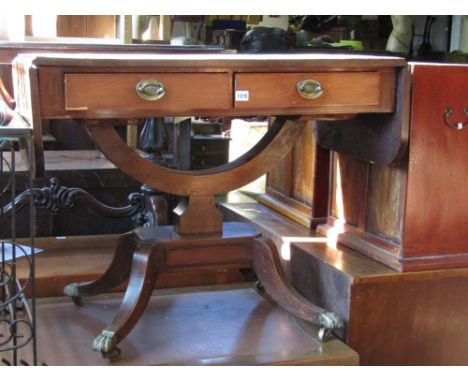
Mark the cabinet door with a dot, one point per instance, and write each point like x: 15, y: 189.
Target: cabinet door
x: 437, y: 195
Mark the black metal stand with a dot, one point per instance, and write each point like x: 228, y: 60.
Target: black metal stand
x: 17, y: 313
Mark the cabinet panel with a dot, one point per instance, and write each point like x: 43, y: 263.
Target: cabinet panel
x: 436, y: 220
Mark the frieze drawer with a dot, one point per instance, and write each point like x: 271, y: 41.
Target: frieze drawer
x: 173, y: 93
x: 335, y: 92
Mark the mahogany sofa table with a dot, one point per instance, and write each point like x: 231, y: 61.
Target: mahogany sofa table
x: 99, y: 88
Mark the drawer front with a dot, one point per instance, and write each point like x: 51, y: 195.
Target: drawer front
x: 184, y: 93
x: 210, y: 147
x: 199, y: 162
x: 340, y: 91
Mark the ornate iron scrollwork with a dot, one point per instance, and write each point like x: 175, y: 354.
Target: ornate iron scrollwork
x: 55, y: 198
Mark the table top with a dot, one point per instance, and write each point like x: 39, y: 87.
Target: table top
x: 211, y: 59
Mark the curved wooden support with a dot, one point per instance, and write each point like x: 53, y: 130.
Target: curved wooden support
x: 217, y: 180
x: 270, y: 273
x: 116, y: 273
x: 147, y: 259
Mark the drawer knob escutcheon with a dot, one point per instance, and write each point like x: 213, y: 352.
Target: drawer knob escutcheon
x: 309, y: 89
x: 150, y: 90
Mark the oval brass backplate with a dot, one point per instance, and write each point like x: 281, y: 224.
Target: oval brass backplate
x: 150, y: 89
x: 309, y: 89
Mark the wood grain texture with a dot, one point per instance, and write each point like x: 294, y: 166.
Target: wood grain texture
x: 217, y: 325
x: 436, y: 216
x: 298, y: 186
x: 380, y: 71
x: 349, y: 189
x: 415, y: 210
x: 384, y: 204
x: 115, y: 93
x: 218, y: 180
x: 266, y: 90
x: 393, y: 318
x: 85, y: 258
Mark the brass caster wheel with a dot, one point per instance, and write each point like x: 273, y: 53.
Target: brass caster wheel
x: 259, y: 286
x: 72, y: 291
x: 77, y: 300
x: 112, y: 355
x: 323, y: 334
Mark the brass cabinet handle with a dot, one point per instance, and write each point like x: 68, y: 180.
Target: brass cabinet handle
x: 150, y: 90
x: 448, y: 111
x: 309, y: 89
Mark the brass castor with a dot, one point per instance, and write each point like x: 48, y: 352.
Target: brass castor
x: 112, y: 355
x: 106, y: 344
x: 77, y: 300
x: 71, y: 290
x: 259, y: 286
x: 328, y: 322
x: 323, y: 334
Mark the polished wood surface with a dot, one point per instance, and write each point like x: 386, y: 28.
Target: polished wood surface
x: 104, y: 93
x: 53, y: 70
x: 298, y: 185
x: 352, y: 92
x: 392, y: 318
x: 223, y: 325
x: 380, y: 139
x: 436, y: 214
x: 411, y: 215
x: 85, y: 258
x: 146, y: 252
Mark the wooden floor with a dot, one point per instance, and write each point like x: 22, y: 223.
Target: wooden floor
x: 223, y: 325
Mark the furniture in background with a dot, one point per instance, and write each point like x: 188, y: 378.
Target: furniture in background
x: 199, y: 144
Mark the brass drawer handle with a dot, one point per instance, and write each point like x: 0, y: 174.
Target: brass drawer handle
x: 448, y: 111
x: 150, y: 90
x: 309, y: 89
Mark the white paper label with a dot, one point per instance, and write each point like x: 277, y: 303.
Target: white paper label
x: 242, y: 95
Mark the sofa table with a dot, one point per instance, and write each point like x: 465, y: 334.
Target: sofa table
x: 293, y: 88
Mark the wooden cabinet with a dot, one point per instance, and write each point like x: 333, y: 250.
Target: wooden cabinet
x: 298, y: 186
x: 413, y: 214
x: 208, y: 151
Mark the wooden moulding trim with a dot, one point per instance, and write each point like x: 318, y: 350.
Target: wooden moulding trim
x: 217, y: 181
x: 285, y: 61
x: 389, y: 253
x: 366, y: 243
x: 291, y: 208
x: 435, y: 262
x: 285, y: 209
